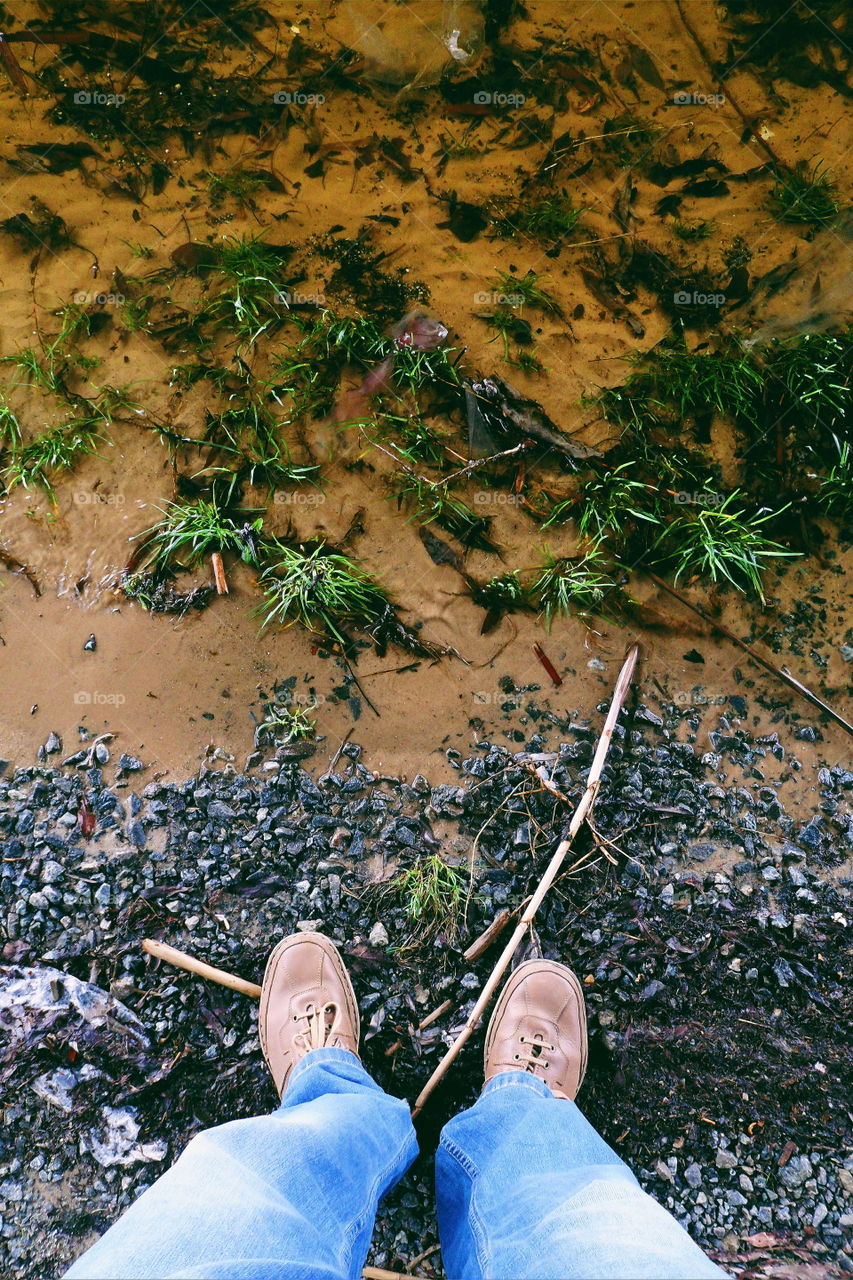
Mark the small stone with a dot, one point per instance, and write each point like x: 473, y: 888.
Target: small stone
x: 136, y: 834
x: 129, y: 764
x: 652, y: 989
x: 378, y: 936
x: 735, y: 1199
x: 53, y: 744
x: 806, y: 733
x: 219, y: 809
x: 796, y: 1171
x: 693, y: 1175
x: 820, y: 1212
x: 91, y: 644
x: 726, y: 1159
x: 663, y: 1171
x: 52, y: 872
x: 103, y: 893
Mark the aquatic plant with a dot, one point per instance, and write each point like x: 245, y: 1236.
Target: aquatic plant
x: 191, y: 530
x: 58, y: 449
x: 804, y: 195
x: 550, y: 218
x: 433, y: 504
x: 319, y: 587
x: 694, y: 228
x: 565, y: 585
x: 721, y: 543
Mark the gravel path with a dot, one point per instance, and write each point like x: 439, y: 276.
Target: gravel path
x: 710, y: 942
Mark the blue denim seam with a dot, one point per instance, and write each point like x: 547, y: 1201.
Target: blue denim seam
x: 353, y: 1231
x: 496, y: 1083
x: 474, y: 1220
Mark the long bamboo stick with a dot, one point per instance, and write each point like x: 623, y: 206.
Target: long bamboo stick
x: 182, y: 960
x: 623, y: 684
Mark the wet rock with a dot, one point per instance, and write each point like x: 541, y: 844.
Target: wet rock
x: 91, y: 644
x: 53, y: 744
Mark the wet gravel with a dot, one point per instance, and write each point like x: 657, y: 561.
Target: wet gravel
x: 709, y: 927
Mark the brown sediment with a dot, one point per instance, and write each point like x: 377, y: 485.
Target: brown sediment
x: 172, y: 688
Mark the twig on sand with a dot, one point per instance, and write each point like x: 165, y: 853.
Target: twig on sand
x: 620, y: 692
x: 721, y: 80
x: 781, y: 673
x: 219, y: 574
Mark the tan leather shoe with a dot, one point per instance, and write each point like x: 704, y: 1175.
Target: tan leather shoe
x: 307, y: 1002
x: 539, y: 1025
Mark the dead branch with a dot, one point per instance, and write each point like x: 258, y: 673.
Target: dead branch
x: 623, y: 684
x: 487, y: 937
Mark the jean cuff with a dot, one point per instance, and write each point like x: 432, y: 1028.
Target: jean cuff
x: 524, y: 1078
x: 315, y: 1056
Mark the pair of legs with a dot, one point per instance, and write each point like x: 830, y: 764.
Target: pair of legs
x: 525, y: 1187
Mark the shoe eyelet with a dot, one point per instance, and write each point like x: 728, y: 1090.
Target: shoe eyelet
x: 516, y: 1056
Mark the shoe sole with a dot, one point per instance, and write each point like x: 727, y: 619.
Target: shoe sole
x: 538, y: 966
x: 331, y: 952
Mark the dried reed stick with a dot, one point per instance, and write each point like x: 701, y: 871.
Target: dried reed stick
x: 584, y: 807
x: 182, y: 960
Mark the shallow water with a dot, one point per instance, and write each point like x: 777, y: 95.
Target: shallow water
x: 173, y: 691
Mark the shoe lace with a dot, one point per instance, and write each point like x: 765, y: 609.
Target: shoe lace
x: 532, y: 1053
x: 321, y: 1026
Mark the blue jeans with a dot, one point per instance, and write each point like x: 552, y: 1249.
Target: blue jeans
x: 525, y: 1188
